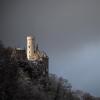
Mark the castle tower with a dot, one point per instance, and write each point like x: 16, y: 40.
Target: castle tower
x: 30, y: 47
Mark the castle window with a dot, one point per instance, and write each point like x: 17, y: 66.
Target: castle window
x: 29, y: 46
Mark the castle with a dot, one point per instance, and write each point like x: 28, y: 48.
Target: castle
x: 33, y: 52
x: 37, y: 60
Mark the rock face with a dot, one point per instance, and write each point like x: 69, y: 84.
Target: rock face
x: 19, y: 78
x: 37, y: 69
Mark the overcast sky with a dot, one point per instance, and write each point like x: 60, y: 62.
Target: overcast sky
x: 68, y: 30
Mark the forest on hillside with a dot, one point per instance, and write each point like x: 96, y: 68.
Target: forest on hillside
x: 17, y: 83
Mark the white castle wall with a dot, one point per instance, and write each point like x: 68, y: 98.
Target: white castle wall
x: 30, y: 47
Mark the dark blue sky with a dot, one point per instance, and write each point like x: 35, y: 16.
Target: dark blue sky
x: 68, y: 30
